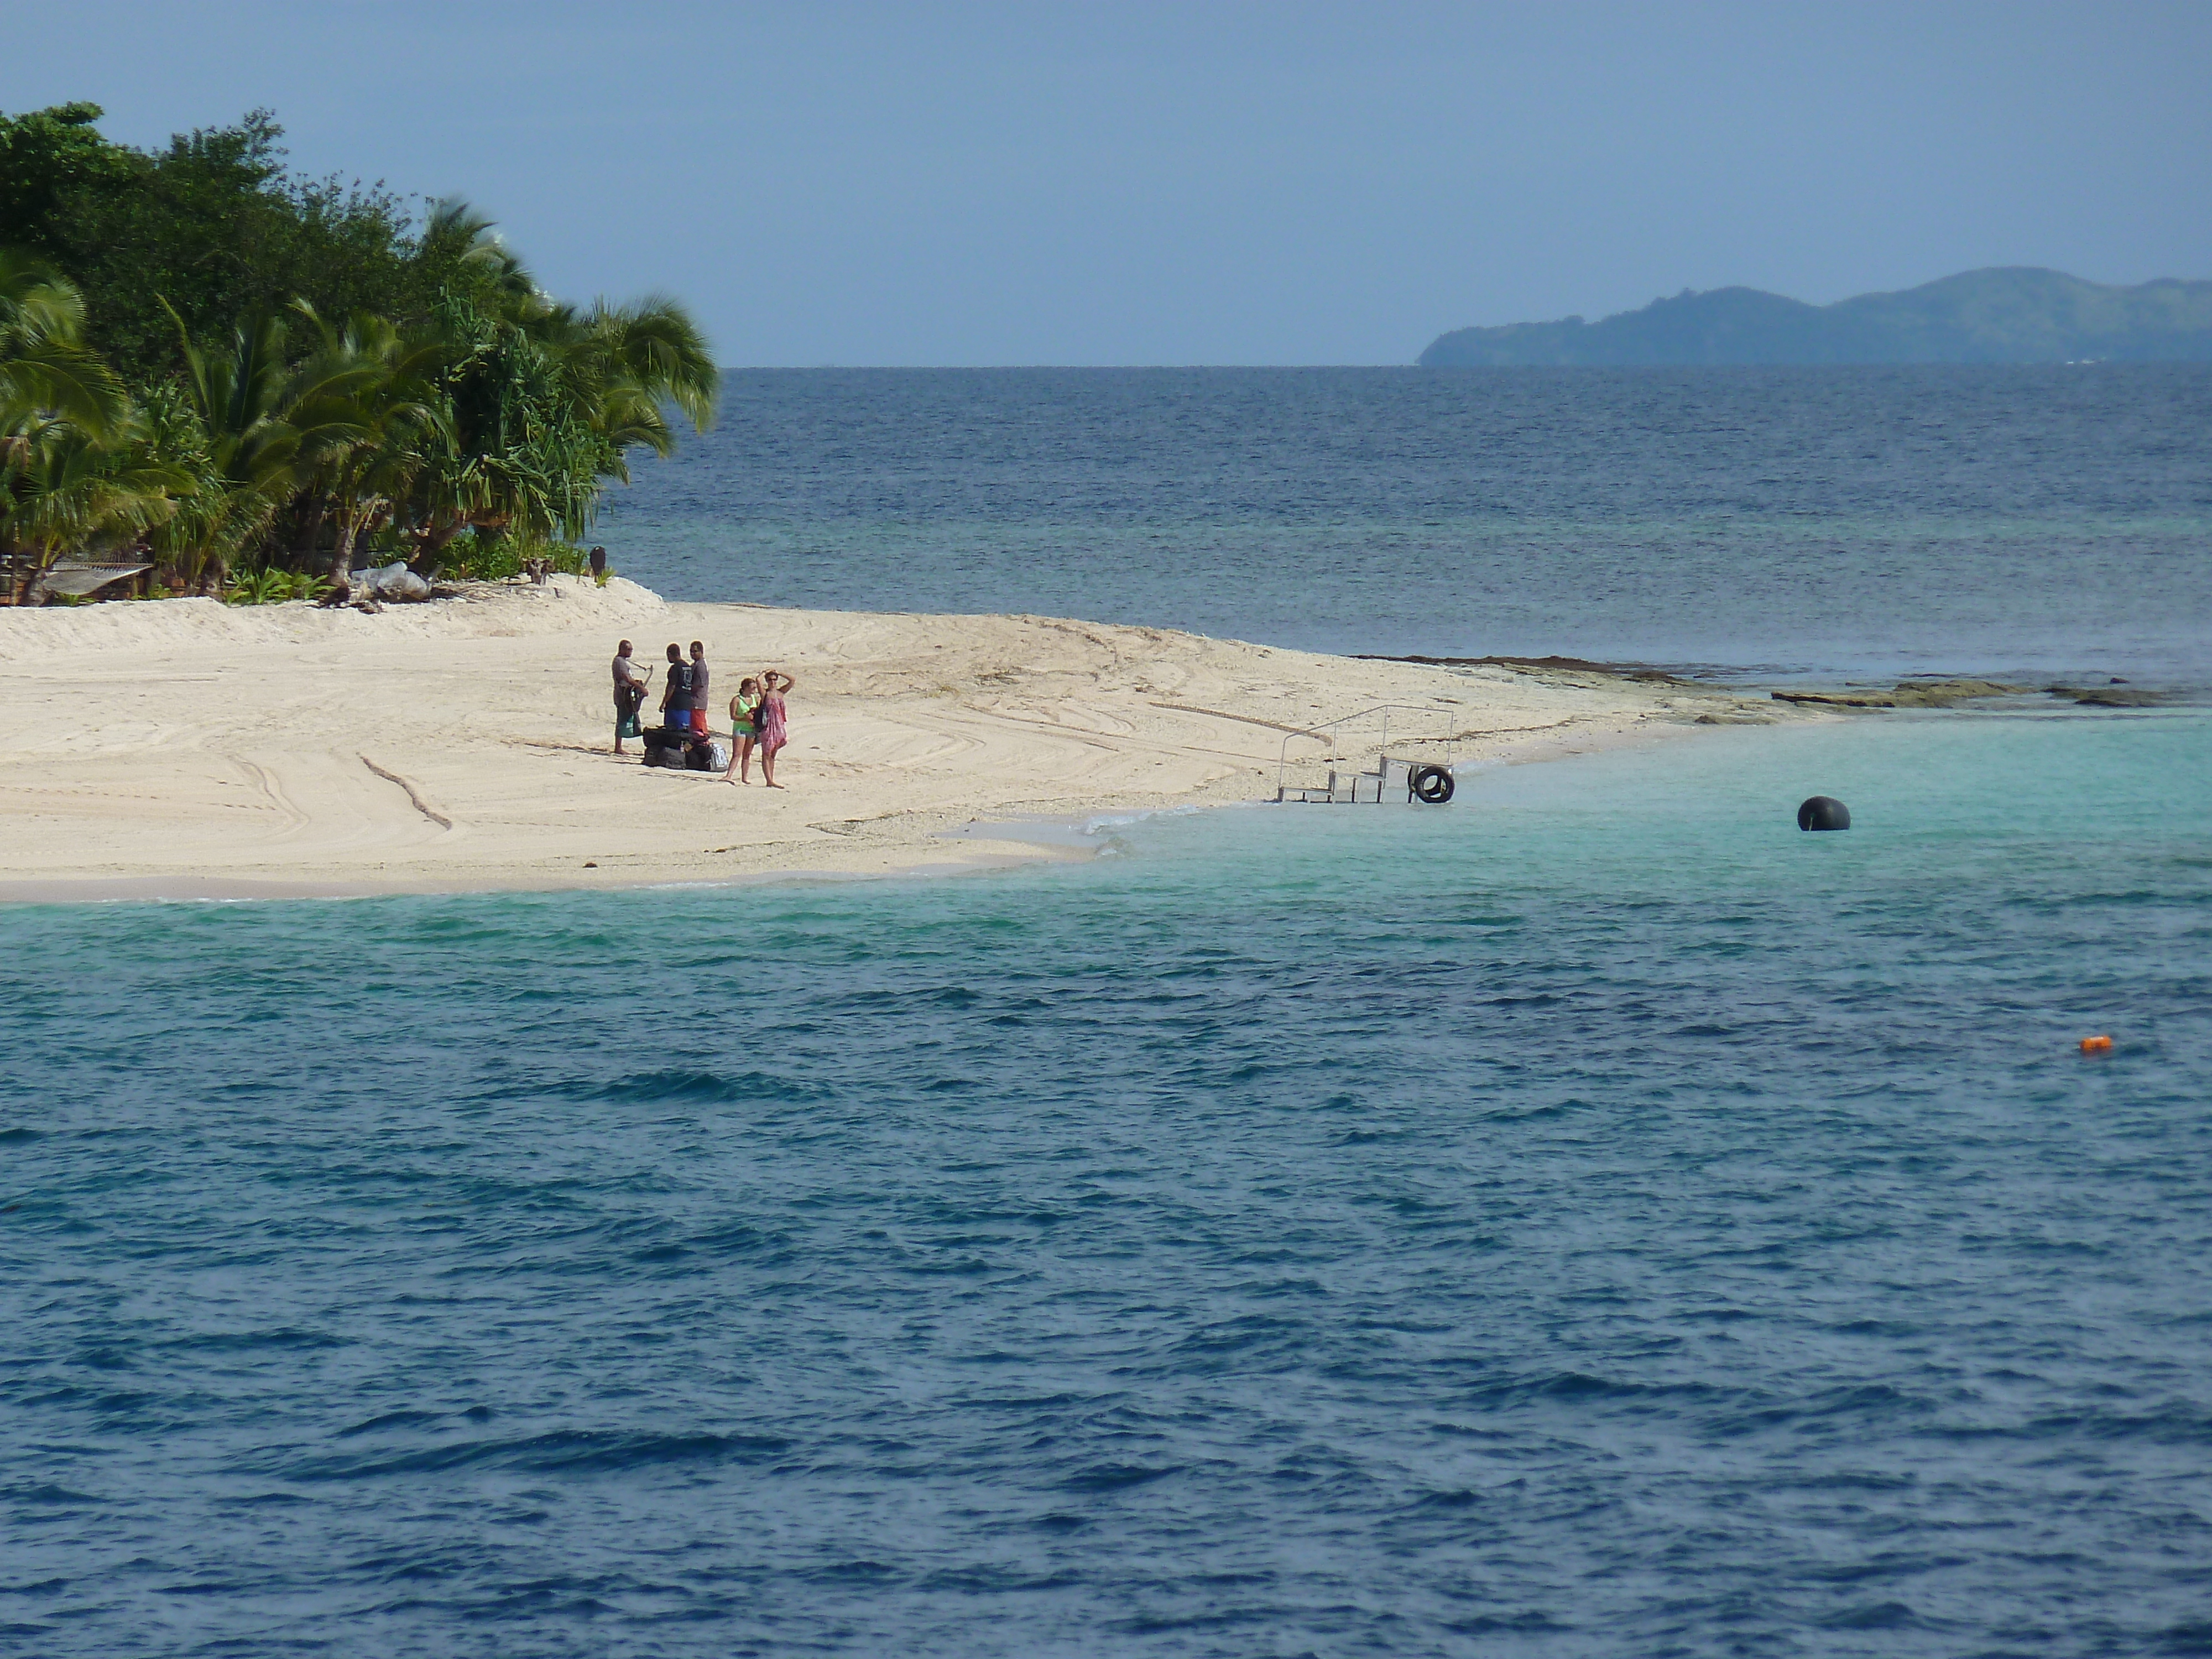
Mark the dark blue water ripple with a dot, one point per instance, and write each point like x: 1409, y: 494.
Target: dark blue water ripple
x: 1599, y: 1222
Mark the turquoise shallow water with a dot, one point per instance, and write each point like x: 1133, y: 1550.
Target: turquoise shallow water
x: 1593, y: 1218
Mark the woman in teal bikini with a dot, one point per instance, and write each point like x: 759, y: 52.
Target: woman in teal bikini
x: 744, y: 730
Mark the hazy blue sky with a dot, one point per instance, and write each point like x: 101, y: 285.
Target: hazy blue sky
x: 1137, y: 183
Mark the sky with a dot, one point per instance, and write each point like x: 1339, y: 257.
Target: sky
x: 1122, y: 182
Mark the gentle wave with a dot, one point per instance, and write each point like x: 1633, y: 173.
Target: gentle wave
x: 1595, y: 1217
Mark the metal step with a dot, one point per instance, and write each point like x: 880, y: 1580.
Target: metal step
x: 1360, y: 789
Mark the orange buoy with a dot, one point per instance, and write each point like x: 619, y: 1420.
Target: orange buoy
x: 2095, y: 1045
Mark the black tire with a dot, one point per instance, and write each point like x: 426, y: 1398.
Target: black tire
x: 1431, y: 785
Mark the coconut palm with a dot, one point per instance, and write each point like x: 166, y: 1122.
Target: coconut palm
x: 235, y: 397
x: 650, y: 352
x: 366, y: 404
x: 68, y: 492
x: 269, y: 427
x: 195, y: 543
x: 505, y: 413
x: 64, y: 480
x: 46, y: 368
x: 455, y: 234
x: 546, y: 401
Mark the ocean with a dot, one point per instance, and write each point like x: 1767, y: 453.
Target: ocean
x: 1592, y: 1218
x: 1780, y: 523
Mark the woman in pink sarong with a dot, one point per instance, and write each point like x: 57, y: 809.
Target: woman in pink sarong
x: 773, y: 735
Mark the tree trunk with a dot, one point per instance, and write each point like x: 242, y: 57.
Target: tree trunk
x: 434, y: 542
x: 309, y: 533
x: 342, y: 552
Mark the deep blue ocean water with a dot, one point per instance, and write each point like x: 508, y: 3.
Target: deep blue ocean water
x: 2051, y: 521
x: 1590, y: 1218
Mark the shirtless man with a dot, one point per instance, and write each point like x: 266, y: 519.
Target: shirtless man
x: 629, y: 693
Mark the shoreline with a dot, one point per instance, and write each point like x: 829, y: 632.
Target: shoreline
x: 179, y: 749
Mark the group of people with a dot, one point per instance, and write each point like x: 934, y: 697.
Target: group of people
x: 757, y: 713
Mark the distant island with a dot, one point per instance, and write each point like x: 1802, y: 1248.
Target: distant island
x: 2009, y: 314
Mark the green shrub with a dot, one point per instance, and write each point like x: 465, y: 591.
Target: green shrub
x: 275, y: 587
x: 495, y: 558
x: 485, y: 558
x: 260, y: 587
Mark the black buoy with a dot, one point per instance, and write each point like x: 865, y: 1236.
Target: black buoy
x: 1430, y: 784
x: 1824, y: 812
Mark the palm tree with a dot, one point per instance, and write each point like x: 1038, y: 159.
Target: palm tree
x: 267, y: 426
x: 366, y: 404
x: 46, y: 368
x: 67, y: 491
x: 546, y: 402
x: 506, y: 414
x: 60, y: 407
x: 457, y: 236
x: 653, y: 349
x: 194, y: 544
x: 235, y: 397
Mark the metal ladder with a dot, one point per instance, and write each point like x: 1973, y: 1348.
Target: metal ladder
x: 1359, y: 788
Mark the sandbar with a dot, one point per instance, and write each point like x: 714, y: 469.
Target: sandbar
x: 182, y: 749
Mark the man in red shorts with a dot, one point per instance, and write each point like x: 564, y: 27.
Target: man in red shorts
x: 699, y: 677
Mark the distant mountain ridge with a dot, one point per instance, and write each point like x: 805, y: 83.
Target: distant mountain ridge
x: 2004, y: 314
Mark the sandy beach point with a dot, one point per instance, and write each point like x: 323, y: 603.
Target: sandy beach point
x: 181, y: 749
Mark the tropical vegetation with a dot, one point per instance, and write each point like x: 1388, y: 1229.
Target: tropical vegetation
x: 254, y: 383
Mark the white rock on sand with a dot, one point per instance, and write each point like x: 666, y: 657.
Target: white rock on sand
x: 183, y: 749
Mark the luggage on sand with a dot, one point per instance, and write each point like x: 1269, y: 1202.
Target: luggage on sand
x: 680, y: 746
x: 665, y: 745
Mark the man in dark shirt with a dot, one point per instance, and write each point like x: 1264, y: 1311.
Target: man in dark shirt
x: 699, y: 682
x: 676, y: 695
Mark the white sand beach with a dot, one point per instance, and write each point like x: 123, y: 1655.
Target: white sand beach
x: 183, y: 749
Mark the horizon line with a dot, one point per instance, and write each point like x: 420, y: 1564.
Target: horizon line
x: 1425, y: 369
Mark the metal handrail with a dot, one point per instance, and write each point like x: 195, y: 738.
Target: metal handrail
x: 1328, y: 731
